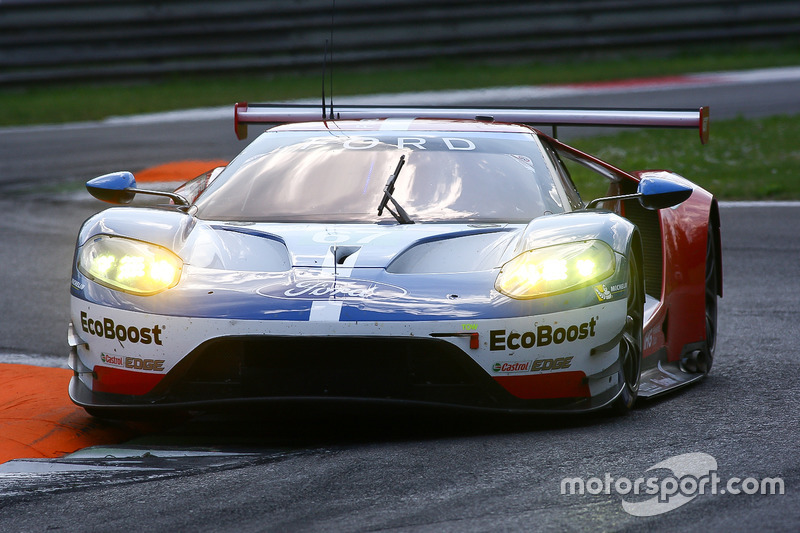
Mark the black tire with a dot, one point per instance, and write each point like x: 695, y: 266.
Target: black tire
x: 630, y: 346
x: 712, y: 293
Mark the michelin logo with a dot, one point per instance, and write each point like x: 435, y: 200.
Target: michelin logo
x: 606, y: 293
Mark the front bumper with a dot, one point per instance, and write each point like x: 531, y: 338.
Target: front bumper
x: 565, y: 361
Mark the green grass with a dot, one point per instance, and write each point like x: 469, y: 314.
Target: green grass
x: 744, y: 159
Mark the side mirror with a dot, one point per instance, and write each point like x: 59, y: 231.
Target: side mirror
x: 660, y: 193
x: 120, y: 188
x: 114, y: 188
x: 653, y: 193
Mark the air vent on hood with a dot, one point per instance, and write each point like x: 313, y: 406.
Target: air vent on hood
x: 341, y: 253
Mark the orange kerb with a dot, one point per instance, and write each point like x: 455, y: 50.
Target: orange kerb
x: 178, y: 171
x: 37, y: 418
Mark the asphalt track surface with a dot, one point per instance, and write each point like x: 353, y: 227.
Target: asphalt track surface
x: 350, y: 470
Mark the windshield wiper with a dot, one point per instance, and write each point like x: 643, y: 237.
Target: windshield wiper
x: 401, y: 216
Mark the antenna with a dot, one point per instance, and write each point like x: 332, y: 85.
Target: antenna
x: 333, y: 12
x: 324, y: 63
x: 325, y: 115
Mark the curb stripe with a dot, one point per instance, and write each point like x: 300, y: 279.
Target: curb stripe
x: 37, y: 418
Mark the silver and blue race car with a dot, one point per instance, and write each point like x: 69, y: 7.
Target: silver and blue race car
x: 402, y: 255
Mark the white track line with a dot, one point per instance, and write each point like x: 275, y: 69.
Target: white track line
x: 33, y: 360
x: 761, y: 203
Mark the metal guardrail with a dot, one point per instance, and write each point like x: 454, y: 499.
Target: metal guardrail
x: 44, y: 41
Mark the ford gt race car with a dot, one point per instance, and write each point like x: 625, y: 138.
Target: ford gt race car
x: 407, y: 255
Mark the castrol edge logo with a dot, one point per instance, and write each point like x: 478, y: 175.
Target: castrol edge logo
x: 333, y: 289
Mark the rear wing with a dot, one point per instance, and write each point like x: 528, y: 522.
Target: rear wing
x: 245, y: 114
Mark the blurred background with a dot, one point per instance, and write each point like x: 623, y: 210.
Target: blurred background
x: 83, y: 88
x: 46, y: 41
x: 67, y: 61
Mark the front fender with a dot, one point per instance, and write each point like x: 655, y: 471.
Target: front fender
x: 166, y: 227
x: 578, y: 226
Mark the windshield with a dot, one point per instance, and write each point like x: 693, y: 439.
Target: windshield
x: 339, y: 176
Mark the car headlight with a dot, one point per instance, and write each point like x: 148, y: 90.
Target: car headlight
x: 555, y: 269
x: 129, y: 265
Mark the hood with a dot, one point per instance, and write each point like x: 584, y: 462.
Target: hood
x: 278, y: 247
x: 408, y: 248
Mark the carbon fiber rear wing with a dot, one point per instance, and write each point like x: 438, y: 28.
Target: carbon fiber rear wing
x: 245, y: 114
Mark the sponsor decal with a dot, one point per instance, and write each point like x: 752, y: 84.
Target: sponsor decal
x: 361, y: 142
x: 651, y: 337
x: 539, y: 365
x: 77, y: 284
x: 609, y: 292
x: 552, y: 364
x: 133, y: 363
x: 113, y: 360
x: 500, y: 339
x: 152, y: 365
x: 108, y: 329
x: 330, y: 289
x: 511, y: 366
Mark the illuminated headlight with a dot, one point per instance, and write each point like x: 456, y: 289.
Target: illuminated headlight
x: 555, y: 269
x: 128, y: 265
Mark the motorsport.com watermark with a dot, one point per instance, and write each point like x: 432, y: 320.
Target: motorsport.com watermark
x: 693, y: 474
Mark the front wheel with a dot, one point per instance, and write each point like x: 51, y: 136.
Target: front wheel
x: 700, y: 361
x: 711, y: 291
x: 630, y: 346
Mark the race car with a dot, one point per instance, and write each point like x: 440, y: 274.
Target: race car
x: 399, y: 255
